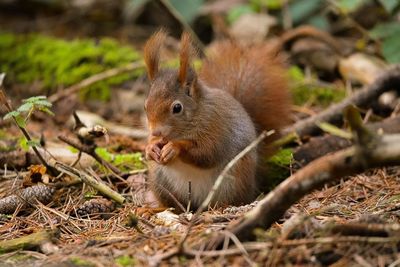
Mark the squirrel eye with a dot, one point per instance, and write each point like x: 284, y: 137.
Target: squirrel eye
x: 176, y: 108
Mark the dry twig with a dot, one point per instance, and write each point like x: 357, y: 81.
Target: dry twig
x: 98, y: 185
x: 94, y: 79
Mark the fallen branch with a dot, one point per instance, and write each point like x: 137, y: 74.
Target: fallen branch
x: 389, y: 80
x: 32, y: 241
x: 366, y: 229
x: 319, y: 146
x: 86, y: 178
x: 370, y: 151
x: 94, y: 79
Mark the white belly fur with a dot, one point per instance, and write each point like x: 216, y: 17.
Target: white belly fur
x: 181, y: 173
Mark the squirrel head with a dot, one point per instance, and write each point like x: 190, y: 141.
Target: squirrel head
x: 173, y: 98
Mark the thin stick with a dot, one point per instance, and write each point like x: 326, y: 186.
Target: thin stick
x: 98, y: 185
x: 94, y: 79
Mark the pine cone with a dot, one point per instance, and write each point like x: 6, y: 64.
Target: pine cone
x: 42, y: 193
x: 95, y: 206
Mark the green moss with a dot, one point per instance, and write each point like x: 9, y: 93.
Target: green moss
x: 312, y: 94
x: 59, y: 63
x: 283, y: 158
x: 81, y: 262
x: 316, y: 96
x: 279, y: 167
x: 125, y: 261
x: 125, y: 162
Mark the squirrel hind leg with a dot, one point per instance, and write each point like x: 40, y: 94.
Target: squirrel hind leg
x: 163, y: 192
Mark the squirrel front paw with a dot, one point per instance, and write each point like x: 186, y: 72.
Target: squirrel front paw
x: 168, y: 153
x: 153, y: 152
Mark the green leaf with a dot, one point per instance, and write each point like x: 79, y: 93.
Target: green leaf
x: 188, y: 9
x: 43, y: 103
x: 46, y: 110
x: 389, y: 5
x: 32, y: 143
x: 25, y: 107
x: 390, y: 48
x: 389, y: 33
x: 236, y: 12
x: 301, y: 10
x: 333, y: 130
x: 20, y: 121
x: 320, y: 22
x: 383, y: 30
x: 11, y: 114
x: 33, y: 99
x: 348, y: 6
x: 23, y: 144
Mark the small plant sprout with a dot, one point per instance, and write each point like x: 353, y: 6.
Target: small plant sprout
x: 29, y: 106
x: 22, y: 114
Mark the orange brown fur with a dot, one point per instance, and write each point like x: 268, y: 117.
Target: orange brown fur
x: 152, y: 53
x: 184, y: 57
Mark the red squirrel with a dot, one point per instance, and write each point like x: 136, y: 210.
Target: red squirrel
x: 199, y: 122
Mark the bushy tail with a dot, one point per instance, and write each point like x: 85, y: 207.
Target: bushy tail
x: 255, y: 76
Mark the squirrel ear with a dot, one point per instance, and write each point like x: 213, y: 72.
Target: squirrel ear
x: 184, y: 57
x: 152, y: 53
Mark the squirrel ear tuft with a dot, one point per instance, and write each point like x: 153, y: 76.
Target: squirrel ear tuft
x: 184, y: 57
x: 152, y: 53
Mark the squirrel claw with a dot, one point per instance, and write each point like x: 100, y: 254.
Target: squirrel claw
x: 168, y: 153
x: 152, y: 152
